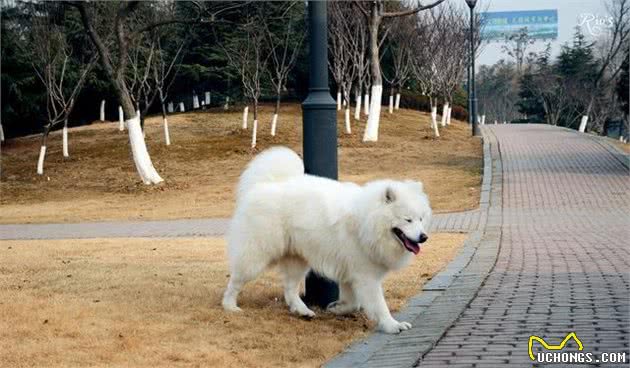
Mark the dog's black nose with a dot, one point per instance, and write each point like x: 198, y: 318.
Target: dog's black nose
x: 423, y: 238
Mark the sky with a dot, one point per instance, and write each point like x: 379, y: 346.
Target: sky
x: 590, y: 15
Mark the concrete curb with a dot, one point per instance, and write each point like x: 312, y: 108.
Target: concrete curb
x: 446, y: 296
x: 615, y: 151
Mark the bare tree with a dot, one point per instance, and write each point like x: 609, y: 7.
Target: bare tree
x: 165, y: 69
x: 285, y: 43
x: 341, y: 56
x: 246, y: 54
x: 61, y: 72
x: 400, y: 47
x: 111, y: 26
x: 375, y: 12
x: 516, y: 46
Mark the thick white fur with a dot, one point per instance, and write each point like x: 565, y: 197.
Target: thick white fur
x: 341, y: 230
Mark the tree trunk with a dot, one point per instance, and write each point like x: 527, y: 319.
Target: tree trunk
x: 448, y: 115
x: 376, y: 95
x: 141, y: 158
x: 255, y: 127
x: 195, y: 102
x: 338, y: 100
x: 227, y: 103
x: 397, y: 107
x: 347, y: 117
x: 434, y: 123
x: 42, y: 151
x: 102, y: 116
x: 391, y: 100
x: 121, y: 119
x: 170, y: 107
x: 274, y: 120
x: 65, y: 138
x: 583, y: 123
x: 181, y: 107
x: 357, y: 109
x: 167, y: 136
x: 444, y: 112
x: 1, y: 133
x: 245, y: 112
x: 366, y: 103
x: 207, y: 99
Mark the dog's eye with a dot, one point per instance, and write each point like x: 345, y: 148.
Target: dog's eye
x: 408, y: 220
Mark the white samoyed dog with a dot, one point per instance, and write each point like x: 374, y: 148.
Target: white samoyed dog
x: 348, y: 233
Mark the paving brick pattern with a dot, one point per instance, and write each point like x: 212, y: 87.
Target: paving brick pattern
x: 564, y: 259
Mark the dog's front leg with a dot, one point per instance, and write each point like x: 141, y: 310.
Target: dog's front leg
x: 370, y: 296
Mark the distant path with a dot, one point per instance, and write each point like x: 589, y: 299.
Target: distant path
x: 451, y: 222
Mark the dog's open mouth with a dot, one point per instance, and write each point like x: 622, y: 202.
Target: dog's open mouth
x: 410, y: 245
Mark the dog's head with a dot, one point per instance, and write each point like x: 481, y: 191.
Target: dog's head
x: 398, y: 218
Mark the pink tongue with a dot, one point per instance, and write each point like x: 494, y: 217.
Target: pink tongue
x: 412, y: 247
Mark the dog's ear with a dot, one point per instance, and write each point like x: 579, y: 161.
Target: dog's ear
x: 416, y: 186
x: 390, y: 196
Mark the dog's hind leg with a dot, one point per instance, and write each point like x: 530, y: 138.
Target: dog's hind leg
x: 241, y: 272
x: 347, y: 303
x: 294, y: 270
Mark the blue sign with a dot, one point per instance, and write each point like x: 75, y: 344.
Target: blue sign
x: 540, y: 24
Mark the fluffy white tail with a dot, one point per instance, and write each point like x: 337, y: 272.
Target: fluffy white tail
x: 272, y: 165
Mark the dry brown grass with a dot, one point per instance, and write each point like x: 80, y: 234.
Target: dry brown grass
x: 209, y: 151
x: 155, y: 303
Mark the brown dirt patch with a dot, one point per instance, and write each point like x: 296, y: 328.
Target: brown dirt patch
x: 156, y: 303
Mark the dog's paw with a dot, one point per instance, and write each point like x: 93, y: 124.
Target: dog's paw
x: 303, y: 311
x: 231, y: 307
x: 340, y: 308
x: 394, y: 327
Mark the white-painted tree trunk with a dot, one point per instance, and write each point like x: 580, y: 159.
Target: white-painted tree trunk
x: 170, y: 108
x: 504, y: 122
x: 371, y: 130
x: 397, y: 106
x: 434, y: 123
x: 448, y: 115
x: 141, y: 158
x: 195, y: 102
x: 1, y: 133
x: 181, y: 107
x: 366, y: 104
x: 167, y: 135
x: 347, y: 120
x: 495, y: 122
x: 274, y: 123
x: 357, y: 108
x: 103, y: 110
x: 227, y: 103
x: 483, y: 119
x: 620, y: 137
x: 583, y: 123
x: 245, y: 112
x: 254, y: 131
x: 40, y: 160
x: 121, y: 119
x: 207, y: 98
x: 338, y: 100
x: 444, y: 112
x: 391, y: 104
x: 65, y: 140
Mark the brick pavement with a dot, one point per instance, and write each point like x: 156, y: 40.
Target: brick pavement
x: 564, y: 257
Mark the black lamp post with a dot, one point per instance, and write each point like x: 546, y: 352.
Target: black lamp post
x: 472, y: 99
x: 319, y: 114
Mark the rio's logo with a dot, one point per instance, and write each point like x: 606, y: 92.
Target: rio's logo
x: 595, y: 24
x: 552, y: 347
